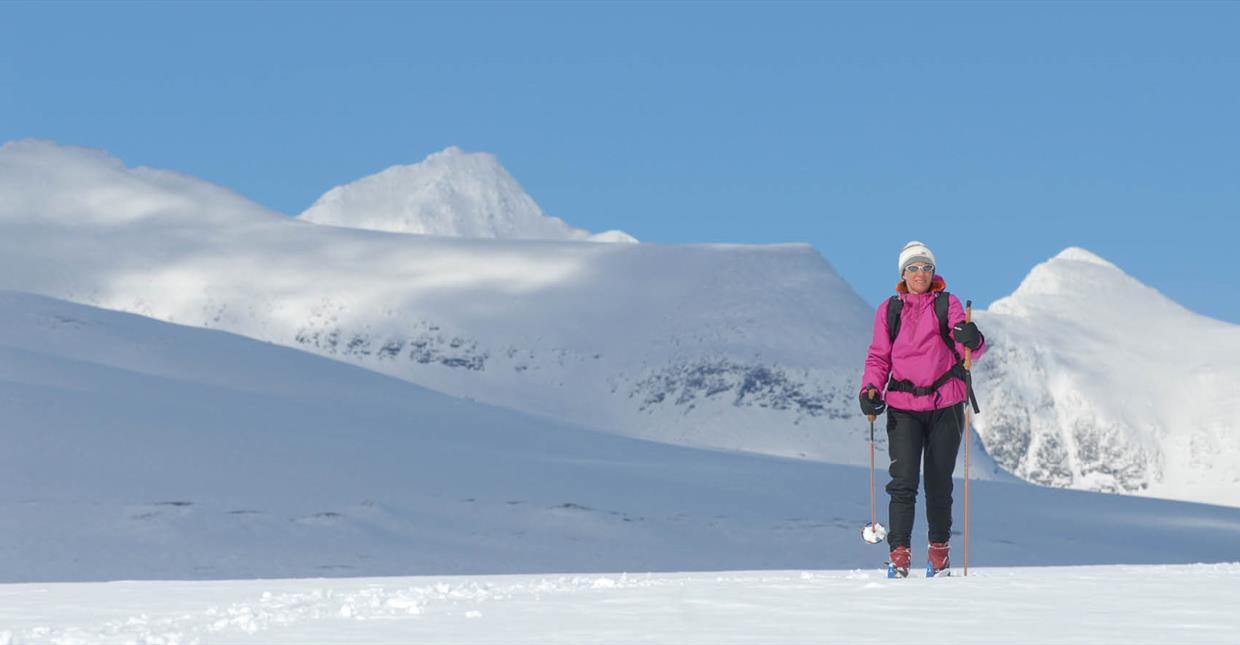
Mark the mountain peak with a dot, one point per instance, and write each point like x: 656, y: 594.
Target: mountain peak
x: 1078, y: 254
x: 455, y: 151
x: 450, y: 193
x: 1079, y: 282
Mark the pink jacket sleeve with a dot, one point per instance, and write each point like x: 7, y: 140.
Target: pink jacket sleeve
x: 878, y: 359
x: 955, y: 314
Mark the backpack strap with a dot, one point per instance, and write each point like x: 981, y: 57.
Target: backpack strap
x: 941, y: 301
x: 894, y: 306
x: 940, y: 311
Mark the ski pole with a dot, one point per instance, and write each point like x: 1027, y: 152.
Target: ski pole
x: 873, y: 533
x: 873, y: 504
x: 968, y: 363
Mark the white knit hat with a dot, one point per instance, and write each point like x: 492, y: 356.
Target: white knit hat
x: 915, y: 252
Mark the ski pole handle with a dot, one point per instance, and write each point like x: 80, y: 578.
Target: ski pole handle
x: 870, y: 417
x: 968, y: 317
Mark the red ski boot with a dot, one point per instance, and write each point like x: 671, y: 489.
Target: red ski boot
x: 897, y: 567
x: 938, y: 560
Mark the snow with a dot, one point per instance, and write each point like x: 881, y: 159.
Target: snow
x: 1078, y: 254
x: 452, y: 193
x: 67, y: 187
x: 693, y: 345
x: 137, y: 449
x: 346, y: 403
x: 699, y: 345
x: 1103, y: 604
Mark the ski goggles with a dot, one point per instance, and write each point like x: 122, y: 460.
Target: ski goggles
x: 913, y: 268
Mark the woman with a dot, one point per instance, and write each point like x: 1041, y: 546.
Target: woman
x: 924, y: 400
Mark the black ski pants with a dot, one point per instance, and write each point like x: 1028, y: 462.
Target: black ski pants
x: 912, y: 436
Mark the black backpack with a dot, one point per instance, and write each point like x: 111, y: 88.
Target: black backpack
x: 894, y: 306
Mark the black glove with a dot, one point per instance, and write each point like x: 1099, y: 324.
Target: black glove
x: 872, y: 407
x: 966, y: 334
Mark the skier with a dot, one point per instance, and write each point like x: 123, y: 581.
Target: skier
x: 919, y: 336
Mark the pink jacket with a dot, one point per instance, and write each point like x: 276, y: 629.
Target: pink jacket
x: 918, y: 354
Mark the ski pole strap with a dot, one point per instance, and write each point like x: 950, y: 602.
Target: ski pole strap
x: 968, y: 384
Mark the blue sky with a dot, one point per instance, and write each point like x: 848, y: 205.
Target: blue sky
x: 999, y: 133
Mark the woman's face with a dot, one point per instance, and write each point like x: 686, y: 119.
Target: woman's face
x: 917, y: 276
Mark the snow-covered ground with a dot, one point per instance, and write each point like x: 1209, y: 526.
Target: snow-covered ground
x: 1102, y: 604
x: 135, y: 448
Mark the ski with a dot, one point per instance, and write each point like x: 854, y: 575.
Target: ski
x: 945, y: 572
x: 896, y: 572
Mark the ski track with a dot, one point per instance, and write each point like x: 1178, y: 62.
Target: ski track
x: 1062, y: 604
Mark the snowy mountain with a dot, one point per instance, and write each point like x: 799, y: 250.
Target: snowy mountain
x: 451, y: 193
x: 732, y: 347
x: 140, y: 449
x: 1096, y: 381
